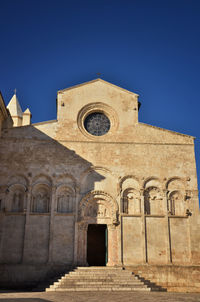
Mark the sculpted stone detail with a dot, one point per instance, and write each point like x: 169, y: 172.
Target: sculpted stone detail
x: 131, y: 202
x: 153, y: 201
x: 41, y: 199
x: 98, y: 204
x: 96, y: 210
x: 97, y: 108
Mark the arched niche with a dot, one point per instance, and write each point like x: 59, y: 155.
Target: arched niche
x: 129, y: 181
x: 65, y: 197
x: 131, y: 201
x: 67, y: 180
x: 176, y: 203
x: 152, y: 182
x: 40, y: 198
x: 18, y: 179
x: 130, y: 195
x: 153, y: 201
x: 16, y: 198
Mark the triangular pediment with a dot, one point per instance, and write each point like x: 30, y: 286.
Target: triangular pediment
x: 98, y: 80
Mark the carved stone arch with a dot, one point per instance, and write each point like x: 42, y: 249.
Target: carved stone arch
x: 152, y: 181
x: 94, y: 198
x: 98, y: 178
x: 17, y: 198
x: 67, y: 179
x: 42, y: 179
x: 96, y: 169
x: 175, y: 183
x: 17, y: 185
x: 122, y: 182
x: 62, y: 187
x: 65, y: 197
x: 40, y: 198
x: 18, y: 179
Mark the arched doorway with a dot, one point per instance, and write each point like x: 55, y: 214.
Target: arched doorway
x: 97, y: 229
x: 97, y: 242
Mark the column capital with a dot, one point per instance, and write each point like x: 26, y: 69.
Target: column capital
x: 82, y: 226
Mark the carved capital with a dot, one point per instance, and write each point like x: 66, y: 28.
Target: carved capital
x: 82, y: 226
x: 111, y: 227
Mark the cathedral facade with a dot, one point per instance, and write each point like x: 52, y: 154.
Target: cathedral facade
x: 95, y: 187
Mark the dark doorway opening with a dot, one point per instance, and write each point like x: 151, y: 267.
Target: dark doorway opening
x: 97, y: 244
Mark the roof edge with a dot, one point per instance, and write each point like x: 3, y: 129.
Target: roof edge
x: 96, y: 80
x: 171, y: 131
x: 45, y: 122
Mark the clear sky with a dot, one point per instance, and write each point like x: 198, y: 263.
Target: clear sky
x: 151, y: 47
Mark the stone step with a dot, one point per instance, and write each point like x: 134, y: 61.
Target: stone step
x: 98, y: 276
x: 99, y: 289
x: 100, y: 285
x: 97, y: 282
x: 99, y: 273
x: 99, y: 279
x: 104, y: 268
x: 103, y: 279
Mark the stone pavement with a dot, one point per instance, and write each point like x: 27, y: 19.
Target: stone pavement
x: 97, y: 297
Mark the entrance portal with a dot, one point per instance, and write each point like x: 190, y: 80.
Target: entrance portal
x: 97, y: 244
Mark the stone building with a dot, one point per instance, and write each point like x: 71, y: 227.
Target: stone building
x: 94, y: 187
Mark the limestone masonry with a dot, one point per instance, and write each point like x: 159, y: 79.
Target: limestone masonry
x: 96, y: 187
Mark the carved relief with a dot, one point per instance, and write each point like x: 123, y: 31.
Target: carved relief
x: 98, y: 204
x: 131, y: 202
x: 153, y: 201
x: 96, y: 210
x: 41, y: 199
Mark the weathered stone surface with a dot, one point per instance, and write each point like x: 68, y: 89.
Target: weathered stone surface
x: 56, y: 178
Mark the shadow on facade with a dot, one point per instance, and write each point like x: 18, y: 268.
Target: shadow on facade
x: 48, y: 200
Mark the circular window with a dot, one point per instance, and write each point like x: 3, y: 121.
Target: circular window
x: 97, y: 123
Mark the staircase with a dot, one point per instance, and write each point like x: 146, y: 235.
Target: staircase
x: 100, y: 279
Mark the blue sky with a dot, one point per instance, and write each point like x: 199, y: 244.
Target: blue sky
x: 147, y: 46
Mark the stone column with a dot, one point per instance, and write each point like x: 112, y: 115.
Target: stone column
x: 144, y: 238
x: 75, y: 208
x: 112, y: 246
x: 82, y: 244
x: 167, y: 226
x: 27, y: 219
x: 51, y: 223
